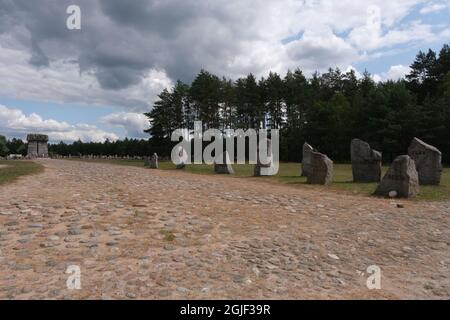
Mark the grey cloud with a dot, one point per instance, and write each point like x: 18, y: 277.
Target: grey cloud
x: 118, y: 77
x: 121, y: 41
x: 38, y: 57
x: 162, y: 17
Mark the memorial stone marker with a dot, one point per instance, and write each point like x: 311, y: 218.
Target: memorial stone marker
x: 401, y: 179
x: 306, y: 162
x: 428, y: 161
x: 37, y: 146
x: 225, y: 167
x: 261, y: 169
x: 366, y: 162
x: 321, y: 169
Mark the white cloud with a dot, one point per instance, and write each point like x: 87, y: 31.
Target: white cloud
x: 133, y: 123
x: 152, y: 43
x: 318, y: 52
x: 62, y: 82
x: 13, y: 122
x: 229, y: 38
x: 432, y: 7
x: 395, y: 73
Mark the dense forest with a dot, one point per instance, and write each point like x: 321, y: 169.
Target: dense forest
x: 327, y: 110
x: 14, y: 146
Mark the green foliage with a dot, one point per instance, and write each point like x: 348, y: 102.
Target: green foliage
x: 328, y: 110
x: 3, y: 148
x: 126, y: 147
x: 16, y: 169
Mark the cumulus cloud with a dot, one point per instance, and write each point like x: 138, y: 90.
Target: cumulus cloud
x: 435, y: 6
x: 63, y: 83
x: 313, y: 52
x: 13, y: 122
x: 120, y: 42
x: 128, y: 52
x: 133, y: 123
x: 394, y: 73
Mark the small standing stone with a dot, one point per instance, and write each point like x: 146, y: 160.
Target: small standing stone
x: 402, y: 178
x: 321, y: 169
x: 366, y: 162
x: 151, y: 162
x: 147, y: 161
x: 261, y: 169
x: 428, y: 161
x: 306, y: 162
x: 184, y: 157
x: 225, y: 167
x: 154, y: 162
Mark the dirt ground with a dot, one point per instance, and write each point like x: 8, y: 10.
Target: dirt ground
x: 147, y: 234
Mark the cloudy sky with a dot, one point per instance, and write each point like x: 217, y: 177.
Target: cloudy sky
x: 94, y: 83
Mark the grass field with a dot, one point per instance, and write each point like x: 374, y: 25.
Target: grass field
x: 11, y: 170
x: 290, y: 174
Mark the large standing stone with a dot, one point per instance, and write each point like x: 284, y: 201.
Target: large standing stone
x: 366, y: 162
x: 306, y: 162
x: 321, y: 170
x: 225, y: 167
x: 260, y: 169
x: 37, y: 145
x: 401, y: 179
x: 428, y: 161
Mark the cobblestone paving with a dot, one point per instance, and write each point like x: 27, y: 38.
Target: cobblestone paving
x: 145, y: 234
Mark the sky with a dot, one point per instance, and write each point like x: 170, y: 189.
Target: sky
x: 95, y: 83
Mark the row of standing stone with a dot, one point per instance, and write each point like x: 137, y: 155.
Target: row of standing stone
x: 422, y: 166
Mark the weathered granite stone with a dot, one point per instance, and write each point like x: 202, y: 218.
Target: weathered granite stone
x: 428, y: 161
x: 183, y: 155
x: 37, y: 146
x: 321, y: 170
x: 401, y: 177
x: 225, y: 167
x: 366, y: 162
x: 260, y: 169
x: 181, y: 166
x: 154, y: 162
x: 306, y: 162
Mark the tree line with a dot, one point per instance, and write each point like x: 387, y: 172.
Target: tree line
x: 327, y: 110
x: 122, y: 148
x: 14, y: 146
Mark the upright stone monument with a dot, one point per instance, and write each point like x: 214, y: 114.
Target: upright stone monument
x: 183, y: 155
x: 428, y: 161
x: 152, y: 162
x: 401, y: 180
x: 306, y: 162
x: 37, y: 146
x: 225, y: 167
x: 366, y: 162
x: 321, y: 170
x: 260, y: 169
